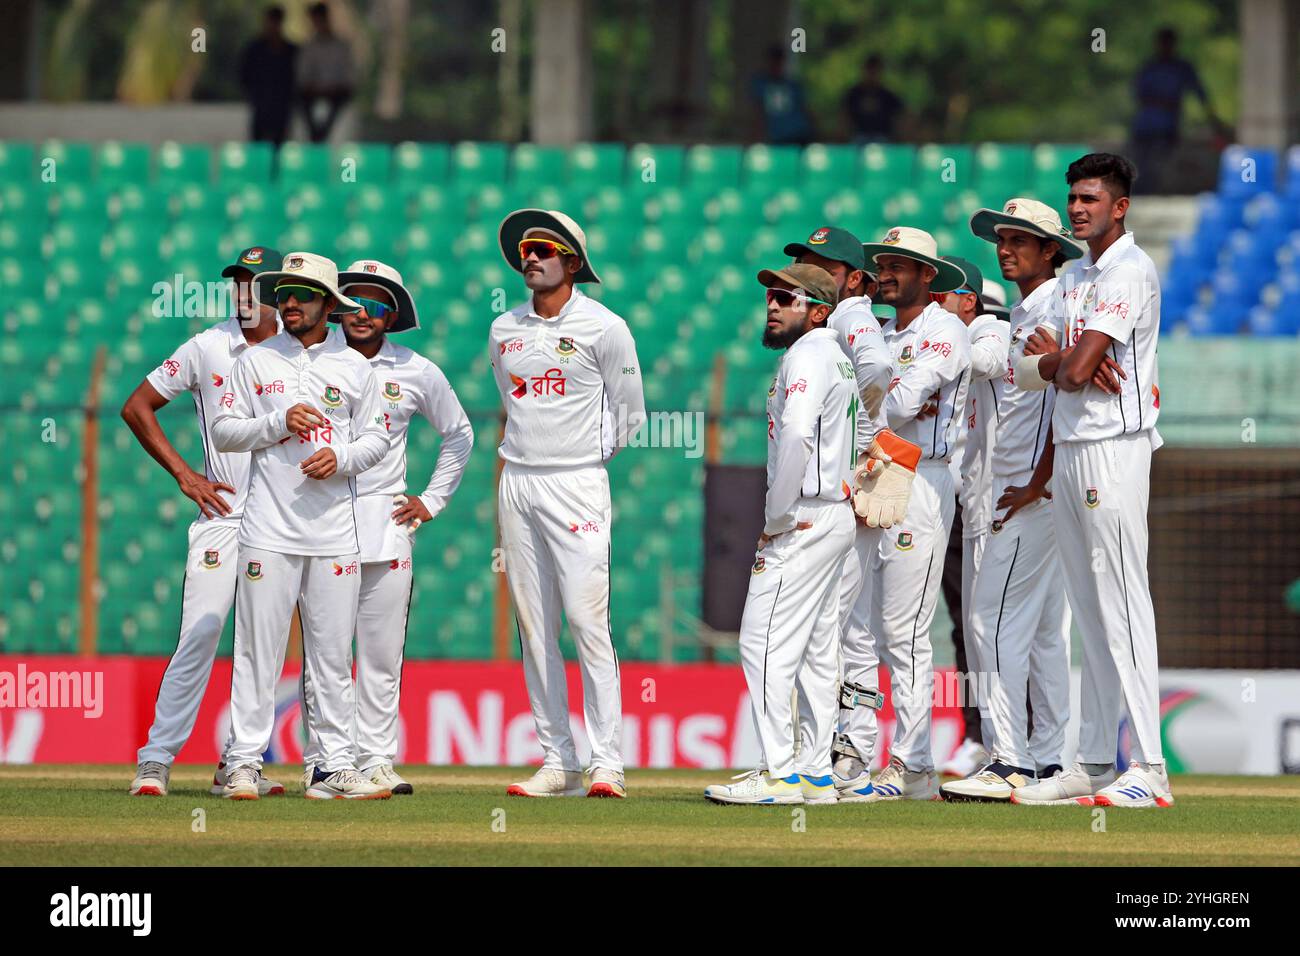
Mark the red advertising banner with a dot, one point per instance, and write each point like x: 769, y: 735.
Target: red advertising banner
x: 452, y: 713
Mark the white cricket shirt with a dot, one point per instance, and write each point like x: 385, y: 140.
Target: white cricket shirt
x: 812, y: 410
x: 1025, y: 417
x: 931, y: 355
x: 989, y: 344
x: 1119, y: 295
x: 286, y: 511
x: 571, y: 385
x: 860, y: 337
x: 409, y: 384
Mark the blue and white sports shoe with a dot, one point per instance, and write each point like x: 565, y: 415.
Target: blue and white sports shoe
x: 756, y: 787
x: 896, y: 782
x: 818, y: 789
x: 853, y: 781
x: 1141, y: 785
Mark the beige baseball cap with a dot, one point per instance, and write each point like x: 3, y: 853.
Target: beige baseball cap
x: 1027, y: 215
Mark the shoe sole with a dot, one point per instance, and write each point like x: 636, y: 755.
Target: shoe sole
x: 949, y: 796
x: 606, y: 790
x: 149, y: 790
x: 242, y: 795
x: 382, y: 795
x: 821, y: 801
x: 1063, y: 802
x: 517, y: 791
x: 276, y: 791
x: 1158, y: 803
x: 774, y: 802
x: 403, y: 790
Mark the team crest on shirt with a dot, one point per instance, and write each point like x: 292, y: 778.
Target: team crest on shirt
x: 819, y: 237
x: 392, y: 391
x: 760, y: 565
x: 211, y: 559
x: 566, y: 346
x: 904, y: 541
x: 771, y: 389
x: 252, y: 257
x: 254, y: 571
x: 332, y: 396
x: 1091, y: 498
x: 905, y: 357
x: 996, y: 526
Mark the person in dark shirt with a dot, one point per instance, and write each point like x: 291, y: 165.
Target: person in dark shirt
x: 873, y: 109
x: 1159, y: 88
x: 780, y: 102
x: 266, y: 72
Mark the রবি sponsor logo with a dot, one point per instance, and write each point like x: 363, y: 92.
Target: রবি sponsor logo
x: 1091, y: 498
x: 171, y: 366
x: 217, y: 380
x: 254, y: 571
x: 904, y: 542
x: 392, y: 391
x: 342, y: 569
x: 400, y: 565
x: 514, y: 345
x: 332, y: 396
x: 211, y: 559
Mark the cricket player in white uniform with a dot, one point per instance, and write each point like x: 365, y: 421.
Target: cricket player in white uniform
x: 790, y: 628
x: 989, y: 342
x: 201, y: 367
x: 1018, y: 618
x: 570, y: 381
x: 931, y: 352
x: 307, y: 407
x: 841, y: 254
x: 1108, y: 304
x: 387, y: 517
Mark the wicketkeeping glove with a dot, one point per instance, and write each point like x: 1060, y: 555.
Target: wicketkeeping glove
x: 882, y: 483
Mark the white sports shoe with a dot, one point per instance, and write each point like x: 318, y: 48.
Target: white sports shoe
x: 853, y: 781
x: 756, y: 787
x: 346, y: 784
x: 993, y: 783
x: 241, y: 784
x: 265, y: 786
x: 549, y: 782
x: 1064, y: 787
x: 818, y: 789
x: 607, y: 783
x: 896, y: 782
x: 1141, y: 785
x: 386, y: 777
x: 308, y: 773
x: 151, y: 779
x: 967, y: 761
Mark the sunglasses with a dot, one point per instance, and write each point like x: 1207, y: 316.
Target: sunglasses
x: 543, y: 248
x: 374, y: 308
x: 303, y: 293
x: 785, y: 298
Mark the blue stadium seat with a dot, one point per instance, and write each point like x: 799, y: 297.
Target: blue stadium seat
x: 1247, y: 171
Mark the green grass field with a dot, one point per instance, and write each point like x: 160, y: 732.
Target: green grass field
x: 82, y: 815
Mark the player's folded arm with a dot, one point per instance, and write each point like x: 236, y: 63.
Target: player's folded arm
x: 236, y: 428
x: 988, y: 351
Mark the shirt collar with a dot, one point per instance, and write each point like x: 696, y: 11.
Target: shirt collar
x: 235, y: 329
x: 574, y: 298
x: 1109, y: 256
x: 387, y: 354
x: 851, y: 302
x: 1044, y: 292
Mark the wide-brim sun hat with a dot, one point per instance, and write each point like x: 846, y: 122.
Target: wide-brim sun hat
x: 919, y: 245
x: 374, y: 272
x: 548, y: 224
x: 306, y: 267
x: 1026, y: 215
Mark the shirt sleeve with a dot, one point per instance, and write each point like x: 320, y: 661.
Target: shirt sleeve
x: 1121, y: 296
x: 990, y: 344
x: 178, y: 374
x: 805, y: 394
x: 937, y: 364
x: 238, y: 427
x: 624, y: 397
x: 369, y: 442
x: 499, y: 373
x: 871, y: 361
x: 439, y: 404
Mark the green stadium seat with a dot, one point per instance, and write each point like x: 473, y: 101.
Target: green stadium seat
x: 891, y: 164
x: 22, y: 202
x: 17, y: 162
x: 73, y: 162
x: 239, y: 163
x: 597, y: 164
x: 833, y: 164
x: 1050, y: 161
x: 368, y: 162
x: 1000, y: 167
x: 182, y: 163
x: 301, y: 164
x: 121, y: 163
x: 475, y: 164
x: 534, y: 166
x: 944, y: 163
x: 766, y: 168
x: 657, y: 166
x: 420, y: 164
x: 135, y: 201
x: 713, y: 164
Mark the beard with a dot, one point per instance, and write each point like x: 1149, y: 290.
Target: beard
x: 780, y: 338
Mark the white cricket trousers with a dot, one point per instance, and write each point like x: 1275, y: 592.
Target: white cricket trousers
x: 383, y: 609
x: 325, y: 590
x: 555, y: 534
x: 1100, y: 494
x: 1020, y: 628
x: 905, y: 579
x: 790, y: 632
x: 972, y: 553
x: 207, y: 595
x: 859, y: 663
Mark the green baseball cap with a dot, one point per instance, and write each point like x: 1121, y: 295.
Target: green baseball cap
x: 255, y: 259
x: 974, y: 278
x: 831, y: 242
x: 814, y: 280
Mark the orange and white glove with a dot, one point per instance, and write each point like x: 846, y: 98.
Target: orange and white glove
x: 882, y: 483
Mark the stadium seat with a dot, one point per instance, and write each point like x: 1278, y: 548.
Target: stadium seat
x: 597, y: 164
x: 370, y: 163
x: 245, y: 163
x: 661, y: 165
x: 121, y: 163
x: 477, y: 164
x: 713, y: 165
x: 183, y: 163
x: 300, y: 164
x: 1247, y: 171
x: 72, y: 162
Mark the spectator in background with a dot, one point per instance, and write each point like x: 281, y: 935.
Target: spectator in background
x: 266, y: 73
x: 1160, y: 86
x: 325, y: 75
x: 872, y: 107
x: 781, y: 103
